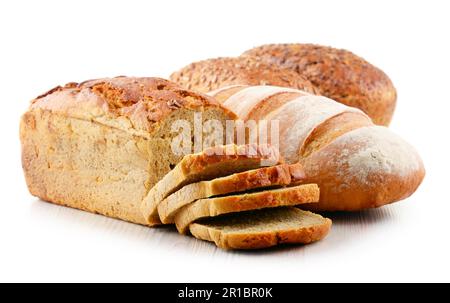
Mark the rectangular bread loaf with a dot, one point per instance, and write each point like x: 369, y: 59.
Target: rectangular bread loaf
x: 102, y: 144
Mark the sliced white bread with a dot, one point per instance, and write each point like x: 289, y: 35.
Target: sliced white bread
x: 209, y: 164
x: 279, y: 175
x: 262, y: 228
x: 288, y: 196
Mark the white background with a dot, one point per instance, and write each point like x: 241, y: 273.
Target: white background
x: 46, y: 43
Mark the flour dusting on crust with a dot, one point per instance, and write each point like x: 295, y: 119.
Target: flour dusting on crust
x: 376, y: 150
x: 299, y: 117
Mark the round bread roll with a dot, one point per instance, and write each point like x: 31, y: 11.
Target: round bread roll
x: 337, y: 74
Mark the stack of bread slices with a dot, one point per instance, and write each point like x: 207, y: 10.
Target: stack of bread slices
x: 248, y: 205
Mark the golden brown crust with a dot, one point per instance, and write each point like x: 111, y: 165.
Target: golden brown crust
x: 222, y: 94
x: 338, y: 74
x: 144, y: 102
x: 196, y: 163
x: 308, y: 193
x: 270, y: 104
x: 278, y: 175
x: 211, y: 74
x: 300, y: 236
x: 332, y: 128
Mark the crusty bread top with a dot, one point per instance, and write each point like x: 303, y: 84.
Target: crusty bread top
x: 336, y: 73
x: 266, y: 155
x: 211, y: 74
x: 128, y: 102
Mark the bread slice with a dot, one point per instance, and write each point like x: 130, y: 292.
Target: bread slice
x: 299, y: 117
x: 209, y: 164
x: 279, y: 175
x: 289, y: 196
x: 262, y: 228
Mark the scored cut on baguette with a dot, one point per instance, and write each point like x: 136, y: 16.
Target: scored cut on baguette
x: 212, y: 207
x: 337, y: 74
x: 279, y: 175
x: 245, y: 101
x: 209, y: 164
x: 299, y: 117
x: 262, y: 228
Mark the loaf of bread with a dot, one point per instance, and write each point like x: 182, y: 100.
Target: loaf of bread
x: 211, y: 74
x: 356, y: 164
x: 102, y: 144
x: 335, y: 73
x: 262, y: 228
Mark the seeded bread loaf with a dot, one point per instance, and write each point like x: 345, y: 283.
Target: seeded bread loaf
x: 262, y: 228
x: 337, y: 74
x: 209, y: 164
x: 356, y: 164
x: 320, y: 70
x: 211, y: 74
x: 280, y: 175
x: 102, y: 144
x: 212, y: 207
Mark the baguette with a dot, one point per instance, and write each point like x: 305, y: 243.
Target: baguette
x: 337, y: 74
x: 262, y: 228
x: 102, y: 144
x: 212, y: 207
x: 356, y: 164
x: 280, y: 175
x: 209, y: 164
